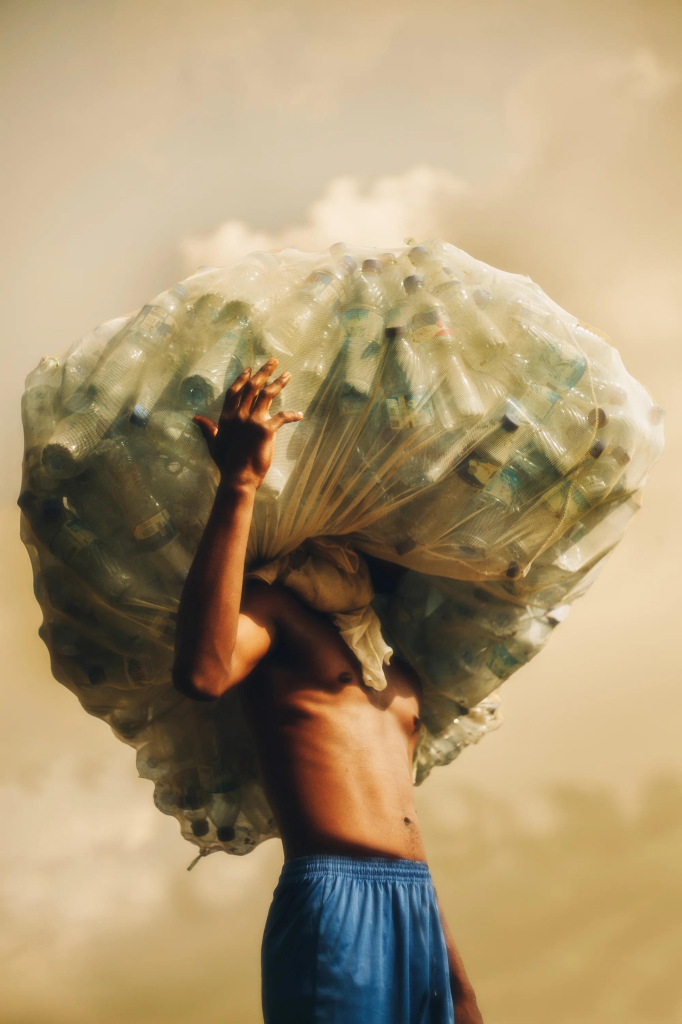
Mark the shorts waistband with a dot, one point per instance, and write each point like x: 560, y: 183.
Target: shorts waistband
x: 322, y: 865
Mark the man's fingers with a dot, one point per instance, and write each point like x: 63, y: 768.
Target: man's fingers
x: 233, y: 393
x: 253, y: 386
x: 284, y: 417
x: 207, y: 428
x: 270, y: 391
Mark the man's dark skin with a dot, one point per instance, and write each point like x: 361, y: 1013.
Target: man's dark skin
x: 335, y: 755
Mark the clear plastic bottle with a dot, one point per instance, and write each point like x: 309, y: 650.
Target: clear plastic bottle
x: 188, y: 492
x: 209, y: 378
x: 129, y: 631
x: 494, y: 449
x: 205, y: 321
x: 589, y: 485
x: 566, y: 428
x: 174, y: 436
x: 456, y: 499
x: 407, y: 384
x: 543, y: 348
x: 74, y: 545
x: 150, y: 526
x: 99, y: 664
x: 430, y: 327
x: 223, y: 811
x: 250, y: 280
x: 39, y: 406
x: 362, y: 327
x: 83, y: 357
x: 309, y: 318
x: 112, y: 384
x: 483, y: 343
x: 394, y: 271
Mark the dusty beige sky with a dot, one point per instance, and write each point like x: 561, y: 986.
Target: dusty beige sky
x: 546, y: 138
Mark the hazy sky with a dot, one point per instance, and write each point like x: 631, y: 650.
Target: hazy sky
x: 145, y: 138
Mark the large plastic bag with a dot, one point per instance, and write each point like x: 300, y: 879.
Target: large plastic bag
x: 457, y: 422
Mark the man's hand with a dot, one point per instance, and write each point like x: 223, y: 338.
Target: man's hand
x: 243, y: 443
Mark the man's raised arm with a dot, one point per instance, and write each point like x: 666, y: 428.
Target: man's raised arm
x: 220, y: 638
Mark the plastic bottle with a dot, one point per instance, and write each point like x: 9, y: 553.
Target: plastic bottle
x: 483, y: 344
x: 188, y: 492
x: 308, y: 320
x: 112, y: 384
x: 362, y: 326
x: 407, y: 384
x: 132, y: 630
x: 494, y: 449
x: 174, y: 436
x: 151, y: 527
x: 100, y: 665
x: 206, y: 320
x: 223, y: 811
x: 571, y: 499
x: 39, y: 416
x: 249, y: 281
x: 565, y: 427
x: 82, y: 358
x: 456, y: 498
x: 394, y: 271
x: 430, y: 327
x: 543, y: 348
x: 74, y: 545
x: 209, y: 378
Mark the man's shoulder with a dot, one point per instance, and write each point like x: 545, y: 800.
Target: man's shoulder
x: 270, y: 599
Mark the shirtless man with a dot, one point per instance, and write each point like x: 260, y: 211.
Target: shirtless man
x: 354, y: 934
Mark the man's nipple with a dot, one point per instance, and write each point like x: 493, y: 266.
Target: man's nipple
x: 346, y: 677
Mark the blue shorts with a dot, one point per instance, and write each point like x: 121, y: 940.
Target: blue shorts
x: 355, y: 941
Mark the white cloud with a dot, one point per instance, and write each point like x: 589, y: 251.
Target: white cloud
x: 382, y: 214
x: 576, y: 163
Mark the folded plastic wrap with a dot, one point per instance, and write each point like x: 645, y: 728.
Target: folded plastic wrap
x: 457, y: 422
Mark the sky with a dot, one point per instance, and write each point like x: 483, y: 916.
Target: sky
x: 145, y: 139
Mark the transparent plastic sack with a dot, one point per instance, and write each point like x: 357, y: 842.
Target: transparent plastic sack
x: 456, y: 422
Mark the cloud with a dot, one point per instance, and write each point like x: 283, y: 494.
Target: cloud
x: 383, y: 213
x: 576, y: 160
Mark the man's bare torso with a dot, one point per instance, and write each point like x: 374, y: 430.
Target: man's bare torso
x: 336, y: 756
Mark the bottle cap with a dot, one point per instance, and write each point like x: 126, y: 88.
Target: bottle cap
x: 350, y: 263
x: 225, y: 833
x: 513, y: 570
x: 413, y: 282
x: 371, y: 267
x: 620, y: 455
x: 53, y: 508
x: 596, y: 449
x: 200, y: 827
x: 597, y: 417
x: 417, y: 254
x: 482, y: 298
x: 139, y: 416
x: 388, y: 257
x: 338, y: 248
x: 96, y: 675
x: 509, y: 423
